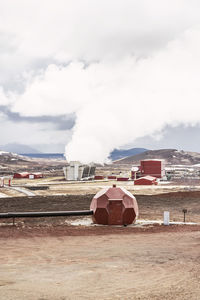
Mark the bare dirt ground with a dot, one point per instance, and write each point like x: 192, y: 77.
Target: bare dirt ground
x: 66, y: 263
x: 47, y: 259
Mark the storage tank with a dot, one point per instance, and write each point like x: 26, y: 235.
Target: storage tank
x: 114, y: 206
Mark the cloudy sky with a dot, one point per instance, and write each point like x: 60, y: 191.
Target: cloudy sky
x: 106, y: 74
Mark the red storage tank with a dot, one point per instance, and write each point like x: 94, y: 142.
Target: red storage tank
x: 114, y: 206
x: 146, y: 180
x: 152, y: 167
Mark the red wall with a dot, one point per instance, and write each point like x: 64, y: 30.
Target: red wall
x: 112, y: 177
x: 98, y: 177
x: 153, y: 168
x: 144, y: 181
x: 36, y: 176
x: 122, y: 179
x: 18, y: 175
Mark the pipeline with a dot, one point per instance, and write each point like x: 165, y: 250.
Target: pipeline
x: 39, y: 214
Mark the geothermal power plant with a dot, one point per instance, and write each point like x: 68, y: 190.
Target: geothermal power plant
x: 66, y: 225
x: 146, y: 173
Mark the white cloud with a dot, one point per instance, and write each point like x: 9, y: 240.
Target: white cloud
x: 31, y: 134
x: 35, y: 32
x: 139, y: 70
x: 122, y: 100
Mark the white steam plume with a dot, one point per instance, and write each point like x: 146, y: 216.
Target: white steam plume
x: 119, y: 101
x: 139, y: 98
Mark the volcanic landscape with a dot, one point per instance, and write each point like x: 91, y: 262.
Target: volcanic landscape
x: 60, y: 258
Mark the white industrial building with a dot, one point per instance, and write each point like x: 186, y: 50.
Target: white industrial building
x: 76, y: 171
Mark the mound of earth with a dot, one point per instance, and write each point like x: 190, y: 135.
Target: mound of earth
x: 171, y: 156
x: 12, y: 162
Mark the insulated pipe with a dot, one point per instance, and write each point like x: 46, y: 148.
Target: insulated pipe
x: 38, y: 214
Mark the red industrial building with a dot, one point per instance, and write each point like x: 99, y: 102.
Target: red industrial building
x: 98, y: 177
x: 122, y: 178
x: 112, y: 177
x: 114, y: 206
x: 152, y: 167
x: 28, y: 175
x: 21, y: 175
x: 35, y: 175
x: 146, y: 180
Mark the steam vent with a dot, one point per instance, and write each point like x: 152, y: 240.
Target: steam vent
x: 114, y: 206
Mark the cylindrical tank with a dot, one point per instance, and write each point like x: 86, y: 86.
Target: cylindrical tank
x: 114, y: 206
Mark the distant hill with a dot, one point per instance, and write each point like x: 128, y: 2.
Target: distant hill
x: 171, y: 156
x: 18, y: 148
x: 45, y: 155
x: 118, y: 154
x: 7, y: 158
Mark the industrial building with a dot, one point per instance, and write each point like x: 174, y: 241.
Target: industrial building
x: 146, y: 180
x: 122, y: 178
x: 21, y: 175
x: 76, y: 171
x: 152, y: 167
x: 34, y: 175
x: 183, y: 171
x: 98, y: 177
x: 112, y: 177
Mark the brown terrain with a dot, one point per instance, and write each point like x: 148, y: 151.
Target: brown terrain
x: 11, y: 162
x: 171, y: 156
x: 49, y: 259
x: 151, y: 206
x: 107, y: 264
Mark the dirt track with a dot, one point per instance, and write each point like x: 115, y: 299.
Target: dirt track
x: 41, y: 260
x: 162, y: 265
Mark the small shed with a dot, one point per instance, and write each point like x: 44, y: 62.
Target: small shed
x: 146, y: 180
x: 122, y: 178
x: 98, y: 177
x: 112, y: 177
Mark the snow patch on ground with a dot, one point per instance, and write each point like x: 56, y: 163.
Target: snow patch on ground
x: 3, y: 152
x: 87, y: 221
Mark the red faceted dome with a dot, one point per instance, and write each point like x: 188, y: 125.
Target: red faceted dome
x: 114, y: 206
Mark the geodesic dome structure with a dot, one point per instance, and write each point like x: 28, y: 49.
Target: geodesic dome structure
x: 114, y: 206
